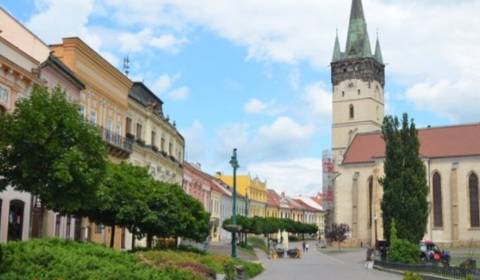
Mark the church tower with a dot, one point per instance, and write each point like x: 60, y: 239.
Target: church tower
x: 358, y: 79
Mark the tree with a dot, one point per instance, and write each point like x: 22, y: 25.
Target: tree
x: 49, y: 150
x: 172, y: 213
x: 337, y: 233
x: 404, y: 183
x: 121, y: 199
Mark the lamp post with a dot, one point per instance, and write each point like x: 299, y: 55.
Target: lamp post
x: 234, y: 164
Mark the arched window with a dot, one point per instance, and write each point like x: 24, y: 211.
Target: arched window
x: 351, y: 111
x: 370, y: 201
x: 437, y: 201
x: 473, y: 192
x: 15, y: 220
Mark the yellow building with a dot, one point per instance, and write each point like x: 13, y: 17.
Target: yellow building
x: 254, y: 190
x: 104, y: 102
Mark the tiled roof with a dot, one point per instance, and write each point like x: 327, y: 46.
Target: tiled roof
x: 273, y: 198
x: 438, y: 142
x: 311, y: 203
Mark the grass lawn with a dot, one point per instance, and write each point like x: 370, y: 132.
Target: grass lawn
x: 45, y: 259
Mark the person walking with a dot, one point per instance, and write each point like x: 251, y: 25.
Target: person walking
x: 306, y: 247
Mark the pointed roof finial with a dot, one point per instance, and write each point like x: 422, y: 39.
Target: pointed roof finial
x: 358, y: 42
x: 378, y: 50
x: 337, y: 52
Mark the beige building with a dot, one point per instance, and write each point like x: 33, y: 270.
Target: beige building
x: 451, y: 154
x: 157, y: 143
x: 103, y: 102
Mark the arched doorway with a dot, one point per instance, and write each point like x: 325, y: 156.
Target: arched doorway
x: 15, y: 220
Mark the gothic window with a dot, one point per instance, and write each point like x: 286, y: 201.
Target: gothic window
x: 473, y: 192
x: 370, y: 201
x: 437, y: 201
x: 351, y: 111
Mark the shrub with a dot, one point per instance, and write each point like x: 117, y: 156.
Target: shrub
x: 411, y: 276
x: 60, y: 259
x: 259, y: 243
x: 403, y: 251
x: 214, y: 262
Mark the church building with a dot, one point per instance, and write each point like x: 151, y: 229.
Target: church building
x: 451, y: 153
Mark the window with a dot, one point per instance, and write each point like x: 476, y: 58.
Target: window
x: 99, y: 228
x: 15, y: 220
x: 129, y: 125
x: 109, y: 129
x: 437, y: 201
x: 154, y: 140
x: 162, y: 144
x: 370, y: 201
x: 81, y: 110
x: 170, y: 148
x: 351, y: 111
x: 4, y: 95
x: 139, y: 131
x: 93, y: 117
x: 343, y: 94
x: 118, y: 133
x: 359, y: 92
x: 68, y: 228
x: 473, y: 192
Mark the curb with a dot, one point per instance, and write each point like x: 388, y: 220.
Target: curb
x: 402, y: 272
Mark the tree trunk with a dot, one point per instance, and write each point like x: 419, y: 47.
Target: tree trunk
x: 112, y: 237
x: 133, y: 241
x: 149, y: 241
x: 176, y: 242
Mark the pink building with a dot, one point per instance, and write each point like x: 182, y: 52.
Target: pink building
x: 196, y: 183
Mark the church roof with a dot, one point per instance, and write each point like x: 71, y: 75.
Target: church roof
x: 437, y: 142
x: 358, y: 41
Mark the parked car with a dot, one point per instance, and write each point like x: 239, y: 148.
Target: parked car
x: 430, y: 252
x: 382, y: 247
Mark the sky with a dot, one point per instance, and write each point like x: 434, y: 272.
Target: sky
x: 254, y: 74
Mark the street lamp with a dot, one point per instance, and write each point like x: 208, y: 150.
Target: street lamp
x: 234, y: 164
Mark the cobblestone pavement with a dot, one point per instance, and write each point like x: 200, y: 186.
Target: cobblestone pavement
x: 316, y: 265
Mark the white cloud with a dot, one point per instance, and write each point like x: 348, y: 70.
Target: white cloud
x: 178, y: 94
x: 283, y: 176
x: 284, y: 129
x: 194, y: 141
x: 319, y: 99
x: 134, y: 42
x: 57, y: 19
x: 282, y: 139
x: 168, y: 42
x: 164, y: 82
x: 255, y: 106
x: 455, y: 100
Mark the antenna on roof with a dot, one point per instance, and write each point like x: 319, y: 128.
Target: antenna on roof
x: 126, y: 65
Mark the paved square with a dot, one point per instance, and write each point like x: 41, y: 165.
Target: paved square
x: 316, y: 265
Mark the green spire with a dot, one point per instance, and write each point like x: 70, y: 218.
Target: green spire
x: 358, y: 42
x: 378, y: 52
x: 337, y: 52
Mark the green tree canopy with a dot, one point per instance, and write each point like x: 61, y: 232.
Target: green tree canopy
x: 405, y: 185
x: 49, y: 150
x: 121, y: 199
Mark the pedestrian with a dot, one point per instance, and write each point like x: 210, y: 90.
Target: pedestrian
x: 306, y: 247
x: 369, y: 260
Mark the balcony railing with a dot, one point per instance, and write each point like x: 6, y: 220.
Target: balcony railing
x: 116, y: 141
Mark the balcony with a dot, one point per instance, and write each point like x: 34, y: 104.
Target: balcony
x: 118, y: 146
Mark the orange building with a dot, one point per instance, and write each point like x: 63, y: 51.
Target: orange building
x: 103, y: 102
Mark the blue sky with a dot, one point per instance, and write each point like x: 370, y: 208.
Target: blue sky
x: 254, y: 74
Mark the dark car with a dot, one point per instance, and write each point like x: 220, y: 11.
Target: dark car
x: 382, y: 247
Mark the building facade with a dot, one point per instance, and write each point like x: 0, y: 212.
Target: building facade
x: 21, y: 53
x: 452, y: 162
x: 104, y: 103
x: 196, y: 183
x: 157, y: 143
